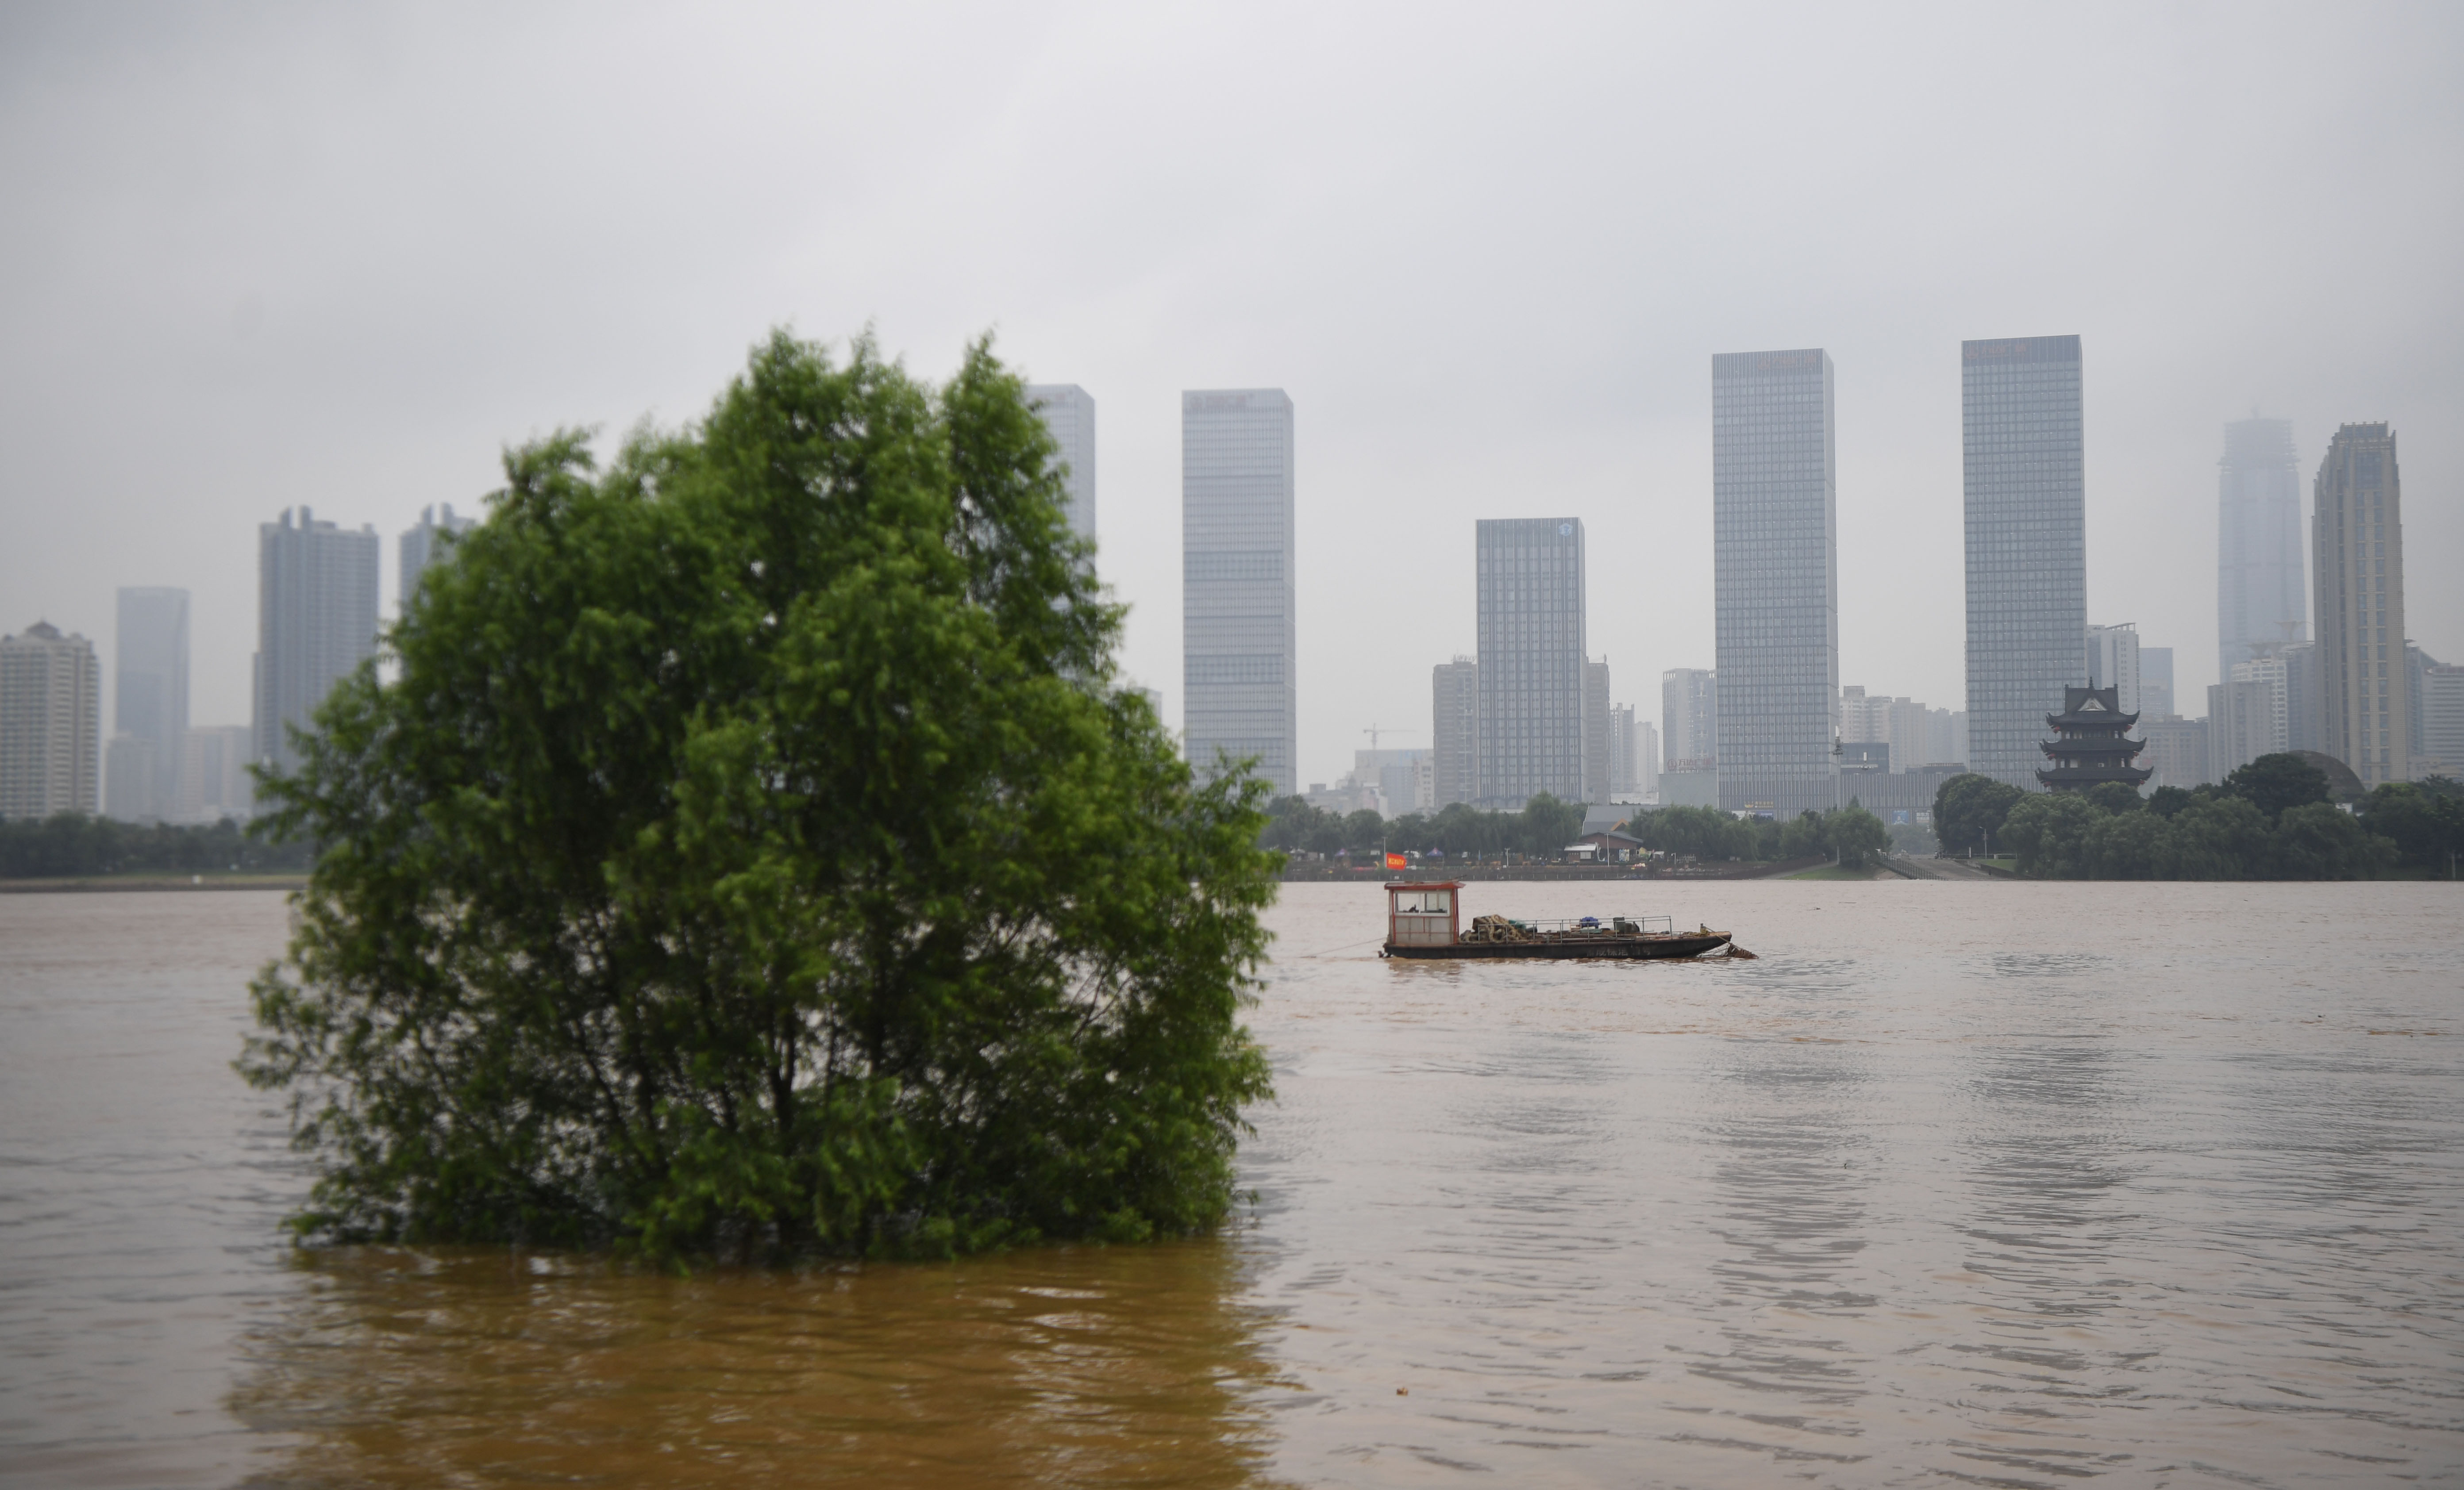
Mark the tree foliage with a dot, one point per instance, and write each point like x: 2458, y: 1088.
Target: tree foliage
x: 1541, y: 830
x: 1705, y: 833
x: 1857, y: 837
x: 755, y: 855
x: 2203, y: 834
x: 2424, y: 820
x: 2272, y: 783
x: 1968, y: 810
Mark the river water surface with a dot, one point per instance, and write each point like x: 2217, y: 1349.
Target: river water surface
x: 1961, y: 1184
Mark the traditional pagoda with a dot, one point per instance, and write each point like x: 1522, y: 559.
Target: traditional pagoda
x: 2089, y: 748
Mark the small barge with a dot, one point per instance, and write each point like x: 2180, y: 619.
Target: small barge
x: 1424, y: 920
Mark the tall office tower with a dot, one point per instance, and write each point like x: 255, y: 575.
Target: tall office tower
x: 1905, y: 722
x: 150, y: 695
x: 1237, y: 631
x: 1941, y: 745
x: 1455, y: 734
x: 128, y: 780
x: 2026, y: 499
x: 2261, y: 603
x: 1646, y: 758
x: 2156, y: 681
x: 2177, y: 751
x: 2267, y: 727
x: 2300, y: 695
x: 1622, y: 759
x: 1690, y: 718
x: 50, y: 723
x: 1068, y: 412
x: 424, y: 543
x: 1856, y: 716
x: 315, y: 621
x: 213, y: 774
x: 2113, y: 661
x: 1959, y: 750
x: 1776, y: 578
x: 2416, y: 672
x: 1596, y: 731
x: 1531, y: 659
x: 2357, y: 552
x: 2246, y: 716
x: 2441, y: 701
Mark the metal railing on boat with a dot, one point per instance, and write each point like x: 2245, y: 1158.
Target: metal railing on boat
x: 1604, y: 926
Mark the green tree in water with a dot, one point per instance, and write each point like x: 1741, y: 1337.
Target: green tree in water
x: 1968, y: 812
x: 1858, y: 837
x: 757, y: 857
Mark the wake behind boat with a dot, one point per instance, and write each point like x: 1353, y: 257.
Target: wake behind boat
x: 1424, y: 920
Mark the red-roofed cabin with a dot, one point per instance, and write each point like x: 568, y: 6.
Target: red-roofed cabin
x: 1423, y: 915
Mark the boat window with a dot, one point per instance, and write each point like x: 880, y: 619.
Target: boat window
x: 1423, y: 902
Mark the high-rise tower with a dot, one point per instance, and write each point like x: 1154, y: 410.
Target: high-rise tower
x: 1775, y: 573
x: 2357, y: 551
x: 1690, y: 718
x: 50, y: 723
x: 1597, y: 771
x: 150, y: 693
x: 1238, y: 637
x: 1068, y: 412
x: 315, y: 621
x: 2261, y: 601
x: 1455, y: 717
x: 424, y: 542
x: 1531, y: 661
x: 2023, y: 471
x: 2113, y: 656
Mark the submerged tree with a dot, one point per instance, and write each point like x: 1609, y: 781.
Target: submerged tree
x: 1968, y: 812
x: 756, y: 856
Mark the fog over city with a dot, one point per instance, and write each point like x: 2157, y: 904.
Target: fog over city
x: 261, y: 257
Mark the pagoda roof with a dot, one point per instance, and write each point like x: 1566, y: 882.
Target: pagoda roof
x: 2092, y: 708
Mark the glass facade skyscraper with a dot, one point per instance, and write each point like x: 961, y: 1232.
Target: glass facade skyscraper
x: 2357, y: 532
x: 1532, y: 664
x: 1237, y: 631
x: 2023, y: 468
x: 1775, y: 576
x: 1068, y: 412
x: 2263, y: 602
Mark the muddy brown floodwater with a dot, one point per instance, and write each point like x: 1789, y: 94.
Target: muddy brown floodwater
x: 1961, y: 1184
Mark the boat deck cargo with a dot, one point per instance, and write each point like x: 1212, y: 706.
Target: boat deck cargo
x: 1425, y: 920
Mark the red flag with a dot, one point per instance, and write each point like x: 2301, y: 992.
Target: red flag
x: 1395, y: 861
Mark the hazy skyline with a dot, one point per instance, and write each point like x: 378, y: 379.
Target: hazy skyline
x: 266, y: 257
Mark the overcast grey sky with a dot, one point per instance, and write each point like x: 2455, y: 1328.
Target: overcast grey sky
x: 259, y: 256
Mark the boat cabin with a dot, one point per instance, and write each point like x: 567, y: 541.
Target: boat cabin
x: 1423, y: 914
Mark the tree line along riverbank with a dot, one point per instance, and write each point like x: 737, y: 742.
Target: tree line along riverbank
x: 2273, y: 818
x: 72, y: 846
